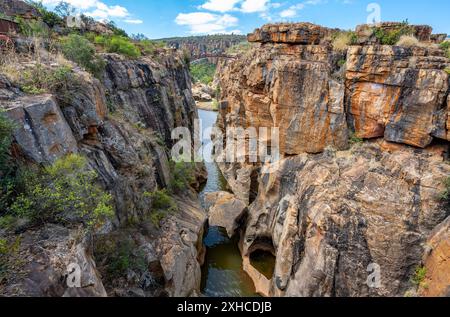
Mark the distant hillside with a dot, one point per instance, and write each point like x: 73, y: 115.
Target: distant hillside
x: 207, y: 46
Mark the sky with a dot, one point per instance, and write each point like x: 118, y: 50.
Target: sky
x: 169, y: 18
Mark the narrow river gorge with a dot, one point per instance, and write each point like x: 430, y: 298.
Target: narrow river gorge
x: 222, y: 272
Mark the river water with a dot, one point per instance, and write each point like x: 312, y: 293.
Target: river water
x: 222, y: 273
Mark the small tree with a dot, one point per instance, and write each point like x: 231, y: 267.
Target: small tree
x: 64, y: 9
x: 117, y: 31
x: 50, y: 18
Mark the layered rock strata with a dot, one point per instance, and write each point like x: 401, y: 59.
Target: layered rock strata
x: 363, y: 141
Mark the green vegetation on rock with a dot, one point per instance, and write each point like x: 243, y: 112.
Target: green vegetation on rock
x: 118, y: 44
x: 445, y: 196
x: 45, y: 79
x: 393, y: 36
x: 446, y: 47
x: 33, y: 28
x: 79, y: 50
x: 162, y: 205
x: 203, y: 72
x: 240, y: 48
x: 64, y: 191
x: 6, y: 165
x: 50, y: 18
x: 8, y: 256
x: 182, y: 176
x: 149, y: 47
x: 354, y: 139
x: 119, y: 255
x: 419, y: 276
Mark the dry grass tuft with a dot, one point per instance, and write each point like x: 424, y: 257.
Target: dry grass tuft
x: 343, y: 40
x: 408, y: 41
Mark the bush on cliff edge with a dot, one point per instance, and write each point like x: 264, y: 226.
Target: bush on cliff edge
x: 79, y: 50
x: 118, y: 44
x: 63, y: 192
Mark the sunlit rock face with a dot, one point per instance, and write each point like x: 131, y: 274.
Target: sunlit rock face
x: 397, y: 93
x: 290, y: 87
x: 364, y: 139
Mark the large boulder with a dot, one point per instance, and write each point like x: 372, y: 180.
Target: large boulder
x: 225, y: 211
x: 51, y: 257
x: 18, y: 8
x: 42, y: 133
x: 298, y: 33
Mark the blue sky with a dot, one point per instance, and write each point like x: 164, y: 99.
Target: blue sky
x: 167, y: 18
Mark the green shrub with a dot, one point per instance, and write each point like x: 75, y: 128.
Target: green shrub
x: 65, y: 189
x: 162, y: 205
x: 120, y: 254
x: 79, y: 50
x: 203, y: 72
x: 161, y: 200
x: 446, y: 47
x: 6, y: 164
x: 60, y: 81
x: 445, y: 196
x: 182, y: 176
x: 6, y: 137
x: 8, y: 222
x: 149, y: 47
x: 33, y: 28
x: 392, y: 37
x: 419, y: 276
x: 116, y: 30
x: 118, y: 44
x: 50, y: 18
x: 354, y: 139
x: 8, y: 257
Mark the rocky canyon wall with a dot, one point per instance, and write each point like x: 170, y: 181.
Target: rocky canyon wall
x: 122, y: 124
x: 364, y: 143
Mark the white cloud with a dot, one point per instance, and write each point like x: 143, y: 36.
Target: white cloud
x: 133, y: 21
x: 98, y: 10
x: 104, y: 11
x: 78, y: 4
x: 251, y: 6
x: 292, y: 11
x: 220, y: 5
x: 204, y: 22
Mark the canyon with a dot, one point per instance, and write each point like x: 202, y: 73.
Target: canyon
x: 361, y: 186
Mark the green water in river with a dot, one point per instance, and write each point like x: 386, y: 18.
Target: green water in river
x: 222, y: 273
